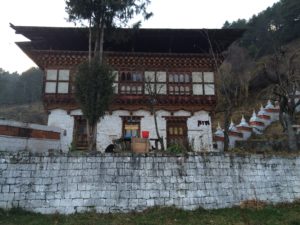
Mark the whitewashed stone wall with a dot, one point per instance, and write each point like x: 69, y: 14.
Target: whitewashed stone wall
x: 110, y: 127
x: 61, y: 119
x: 200, y: 135
x: 122, y: 183
x: 148, y: 124
x: 14, y: 143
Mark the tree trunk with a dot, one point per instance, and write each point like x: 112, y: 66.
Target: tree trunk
x: 91, y: 136
x: 292, y: 139
x: 160, y: 139
x: 227, y: 116
x: 96, y: 46
x: 90, y: 41
x: 101, y: 42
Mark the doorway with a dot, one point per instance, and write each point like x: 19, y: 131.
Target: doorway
x: 177, y: 132
x: 80, y: 133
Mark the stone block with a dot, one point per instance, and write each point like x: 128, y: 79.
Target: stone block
x: 4, y: 188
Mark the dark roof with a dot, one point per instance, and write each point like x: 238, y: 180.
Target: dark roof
x: 128, y: 40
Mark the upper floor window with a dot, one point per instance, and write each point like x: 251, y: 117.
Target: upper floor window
x: 203, y: 83
x: 155, y: 83
x: 179, y: 83
x: 57, y: 81
x: 132, y: 76
x: 131, y: 82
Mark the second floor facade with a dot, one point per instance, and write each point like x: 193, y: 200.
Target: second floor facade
x: 178, y: 81
x: 176, y: 64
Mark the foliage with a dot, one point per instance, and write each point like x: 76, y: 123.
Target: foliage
x: 277, y: 25
x: 94, y: 89
x: 72, y: 147
x: 154, y: 91
x: 233, y: 82
x: 176, y: 149
x: 110, y: 12
x: 105, y: 14
x: 284, y: 71
x: 28, y: 113
x: 287, y: 214
x: 20, y: 89
x: 94, y: 95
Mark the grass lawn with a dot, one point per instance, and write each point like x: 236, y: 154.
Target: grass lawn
x: 287, y: 214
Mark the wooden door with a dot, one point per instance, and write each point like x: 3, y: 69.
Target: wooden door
x: 177, y: 133
x: 80, y: 132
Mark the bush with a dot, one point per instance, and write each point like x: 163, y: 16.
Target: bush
x: 176, y: 149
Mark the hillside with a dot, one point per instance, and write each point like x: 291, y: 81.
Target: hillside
x: 260, y: 92
x: 29, y: 113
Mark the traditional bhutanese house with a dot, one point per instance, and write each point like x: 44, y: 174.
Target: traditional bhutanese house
x: 178, y: 60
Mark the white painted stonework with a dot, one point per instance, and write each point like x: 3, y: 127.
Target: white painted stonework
x: 199, y: 135
x: 147, y: 124
x: 61, y: 119
x: 110, y: 127
x: 15, y: 144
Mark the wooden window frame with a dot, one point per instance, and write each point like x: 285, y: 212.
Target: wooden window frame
x: 156, y: 83
x: 203, y: 83
x: 130, y: 82
x: 172, y: 83
x: 57, y: 81
x: 136, y: 119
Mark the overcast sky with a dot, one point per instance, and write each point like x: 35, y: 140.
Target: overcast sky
x: 167, y: 14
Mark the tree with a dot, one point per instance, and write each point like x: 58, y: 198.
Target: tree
x: 101, y: 15
x: 229, y: 83
x: 20, y: 89
x: 290, y: 19
x: 282, y: 21
x: 94, y: 91
x: 283, y: 70
x: 242, y: 68
x: 154, y: 90
x: 105, y: 14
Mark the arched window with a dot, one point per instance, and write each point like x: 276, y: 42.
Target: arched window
x: 171, y: 90
x: 176, y: 90
x: 181, y: 89
x: 176, y: 78
x: 181, y: 79
x: 187, y: 90
x: 128, y: 76
x: 187, y: 78
x: 123, y: 76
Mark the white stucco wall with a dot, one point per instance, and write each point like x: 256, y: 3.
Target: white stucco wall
x: 15, y: 144
x: 61, y: 119
x: 110, y: 127
x: 200, y: 137
x: 148, y: 124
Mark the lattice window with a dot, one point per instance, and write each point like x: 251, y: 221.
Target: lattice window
x: 57, y: 81
x: 131, y: 126
x: 155, y: 83
x: 131, y: 82
x: 203, y: 83
x: 179, y: 83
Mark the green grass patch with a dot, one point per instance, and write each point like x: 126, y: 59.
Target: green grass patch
x: 285, y: 214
